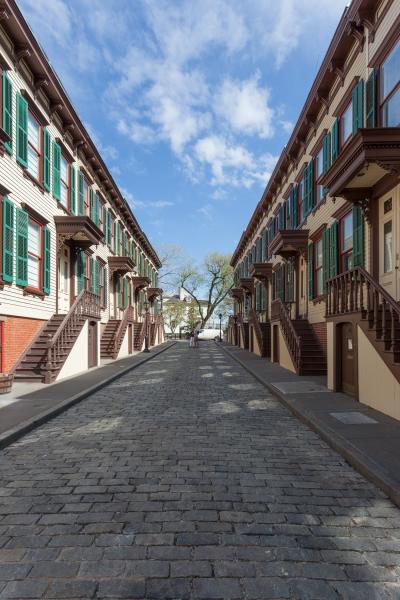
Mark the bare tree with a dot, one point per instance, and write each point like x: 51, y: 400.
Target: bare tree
x: 214, y: 279
x: 174, y: 312
x: 172, y: 259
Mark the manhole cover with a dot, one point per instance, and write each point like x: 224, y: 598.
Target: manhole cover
x: 299, y: 387
x: 353, y: 418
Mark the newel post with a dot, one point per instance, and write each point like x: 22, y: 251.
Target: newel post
x: 49, y: 364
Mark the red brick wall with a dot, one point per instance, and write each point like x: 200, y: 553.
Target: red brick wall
x: 17, y: 335
x: 320, y: 331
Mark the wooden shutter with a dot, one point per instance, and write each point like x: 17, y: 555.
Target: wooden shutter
x: 81, y: 200
x: 46, y: 159
x: 8, y: 240
x: 325, y: 256
x: 334, y: 247
x: 105, y: 281
x: 358, y: 106
x: 326, y: 152
x: 91, y: 205
x: 335, y: 140
x: 308, y: 188
x: 310, y: 270
x: 46, y: 260
x: 22, y: 130
x: 72, y: 191
x: 22, y: 220
x: 370, y: 100
x: 92, y: 268
x: 281, y: 217
x: 264, y: 245
x: 80, y: 271
x: 7, y: 110
x: 56, y: 171
x: 358, y: 237
x: 295, y: 216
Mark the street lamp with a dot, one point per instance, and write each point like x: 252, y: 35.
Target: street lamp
x: 220, y: 327
x: 146, y: 326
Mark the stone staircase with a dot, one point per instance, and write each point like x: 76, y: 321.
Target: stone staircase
x: 313, y: 359
x: 107, y: 341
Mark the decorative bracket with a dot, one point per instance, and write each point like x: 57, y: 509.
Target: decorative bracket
x: 337, y: 67
x: 20, y: 52
x: 40, y: 83
x: 357, y: 32
x: 54, y: 108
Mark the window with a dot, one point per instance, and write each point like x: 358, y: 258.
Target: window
x: 86, y: 197
x: 387, y: 247
x: 346, y: 242
x: 64, y: 181
x: 390, y: 88
x: 300, y: 197
x: 34, y: 254
x: 319, y: 169
x: 103, y: 299
x: 318, y: 269
x: 346, y: 124
x: 34, y: 146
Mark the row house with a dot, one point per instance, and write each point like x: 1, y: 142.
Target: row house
x: 317, y: 284
x: 78, y: 276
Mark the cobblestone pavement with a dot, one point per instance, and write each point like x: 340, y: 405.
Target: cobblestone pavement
x: 186, y: 479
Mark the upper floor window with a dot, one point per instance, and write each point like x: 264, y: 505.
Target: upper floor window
x: 34, y: 254
x: 86, y: 197
x: 34, y: 146
x: 346, y: 242
x: 390, y: 88
x: 319, y: 169
x: 346, y: 124
x: 64, y: 181
x: 318, y: 268
x: 300, y: 197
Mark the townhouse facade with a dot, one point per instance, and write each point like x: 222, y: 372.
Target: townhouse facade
x: 79, y: 277
x: 317, y: 285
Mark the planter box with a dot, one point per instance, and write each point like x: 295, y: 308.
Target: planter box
x: 6, y: 383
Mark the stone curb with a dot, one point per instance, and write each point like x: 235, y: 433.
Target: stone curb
x: 20, y: 430
x: 355, y: 457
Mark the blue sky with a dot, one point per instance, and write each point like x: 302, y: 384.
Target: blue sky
x: 190, y: 102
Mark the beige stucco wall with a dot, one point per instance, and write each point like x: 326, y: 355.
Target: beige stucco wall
x: 124, y: 350
x: 330, y: 355
x: 285, y: 359
x: 256, y: 347
x: 78, y: 359
x: 377, y: 386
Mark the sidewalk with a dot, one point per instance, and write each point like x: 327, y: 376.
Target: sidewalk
x: 25, y: 412
x: 366, y: 438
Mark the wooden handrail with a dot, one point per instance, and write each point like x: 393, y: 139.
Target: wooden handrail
x: 356, y: 291
x: 128, y: 316
x: 86, y: 304
x: 293, y: 340
x: 253, y: 319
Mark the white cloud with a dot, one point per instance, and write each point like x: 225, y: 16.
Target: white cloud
x: 206, y: 211
x: 245, y: 106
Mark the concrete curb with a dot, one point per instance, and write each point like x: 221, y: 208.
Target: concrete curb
x: 355, y: 457
x: 15, y: 433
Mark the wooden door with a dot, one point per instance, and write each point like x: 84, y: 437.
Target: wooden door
x: 92, y: 344
x: 64, y: 282
x: 347, y: 358
x: 276, y: 343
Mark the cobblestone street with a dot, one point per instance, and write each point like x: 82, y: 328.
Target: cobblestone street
x: 186, y: 479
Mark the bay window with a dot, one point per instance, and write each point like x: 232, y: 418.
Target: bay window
x: 390, y: 88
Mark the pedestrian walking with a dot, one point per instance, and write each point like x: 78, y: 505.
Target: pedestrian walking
x: 191, y: 340
x: 196, y: 339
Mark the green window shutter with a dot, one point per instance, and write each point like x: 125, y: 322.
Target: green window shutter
x: 281, y: 217
x: 46, y: 260
x: 56, y: 171
x: 358, y: 106
x: 370, y: 100
x: 91, y: 205
x: 119, y: 280
x: 310, y: 270
x: 81, y: 202
x: 325, y: 256
x: 105, y: 275
x: 8, y: 240
x: 22, y: 130
x: 109, y: 229
x: 125, y: 293
x: 326, y: 152
x: 46, y: 159
x: 22, y: 246
x: 92, y: 275
x: 7, y: 109
x: 335, y: 140
x: 295, y: 216
x: 80, y: 271
x: 334, y: 247
x: 358, y: 237
x: 72, y: 191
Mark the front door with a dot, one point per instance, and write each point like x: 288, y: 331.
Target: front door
x: 64, y: 289
x: 346, y: 358
x: 388, y: 240
x: 92, y: 344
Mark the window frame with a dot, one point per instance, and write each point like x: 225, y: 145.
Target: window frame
x: 102, y: 271
x: 38, y: 288
x: 349, y: 104
x: 38, y: 151
x: 382, y: 101
x: 68, y: 184
x: 318, y: 269
x: 342, y: 254
x: 317, y: 187
x: 86, y: 197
